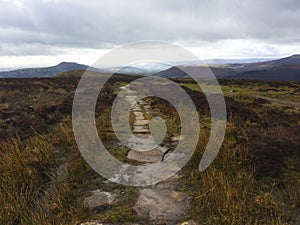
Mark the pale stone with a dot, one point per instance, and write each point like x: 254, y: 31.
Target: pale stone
x: 138, y: 114
x: 99, y: 198
x: 141, y: 122
x: 189, y: 222
x: 140, y: 129
x: 146, y: 156
x: 161, y: 206
x: 100, y: 223
x: 177, y: 138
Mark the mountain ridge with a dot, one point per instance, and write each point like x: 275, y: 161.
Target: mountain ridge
x: 287, y: 68
x: 45, y: 71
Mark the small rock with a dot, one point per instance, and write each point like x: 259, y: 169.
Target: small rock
x: 100, y: 223
x: 93, y: 223
x: 161, y: 206
x: 190, y: 222
x: 99, y: 200
x: 147, y: 107
x: 175, y: 138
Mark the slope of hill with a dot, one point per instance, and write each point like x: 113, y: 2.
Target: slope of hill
x: 145, y: 69
x: 176, y: 72
x: 70, y: 66
x: 281, y: 69
x: 129, y: 70
x: 45, y: 71
x: 283, y: 72
x: 291, y: 60
x: 234, y: 61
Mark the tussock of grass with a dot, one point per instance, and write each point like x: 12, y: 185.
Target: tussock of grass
x: 30, y: 190
x: 228, y: 192
x: 22, y: 180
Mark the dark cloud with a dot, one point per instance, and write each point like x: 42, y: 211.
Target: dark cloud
x: 35, y: 27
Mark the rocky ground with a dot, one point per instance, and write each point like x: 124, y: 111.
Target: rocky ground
x: 160, y: 203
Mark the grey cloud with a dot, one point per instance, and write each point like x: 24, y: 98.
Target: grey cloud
x: 101, y: 24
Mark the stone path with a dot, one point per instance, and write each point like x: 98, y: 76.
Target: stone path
x: 142, y: 144
x: 161, y: 203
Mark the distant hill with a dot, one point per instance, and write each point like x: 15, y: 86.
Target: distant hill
x: 129, y: 70
x: 45, y: 71
x: 291, y: 60
x: 176, y: 72
x: 281, y: 69
x: 65, y: 67
x: 79, y: 73
x: 283, y: 72
x: 145, y: 69
x: 235, y: 61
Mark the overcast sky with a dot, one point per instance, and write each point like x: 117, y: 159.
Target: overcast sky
x: 49, y: 31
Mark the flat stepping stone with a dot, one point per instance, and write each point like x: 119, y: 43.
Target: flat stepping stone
x: 147, y: 147
x: 147, y: 107
x: 189, y: 222
x: 142, y: 144
x: 130, y: 98
x: 140, y: 129
x: 136, y: 113
x: 151, y: 156
x: 100, y: 223
x: 95, y: 223
x: 142, y: 136
x: 141, y: 139
x: 99, y: 200
x: 162, y: 206
x: 141, y: 122
x: 136, y: 108
x: 140, y: 117
x: 142, y: 147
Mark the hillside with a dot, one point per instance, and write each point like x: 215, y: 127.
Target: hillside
x: 281, y: 69
x: 291, y: 60
x: 176, y: 72
x: 66, y: 67
x: 45, y: 71
x: 282, y: 72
